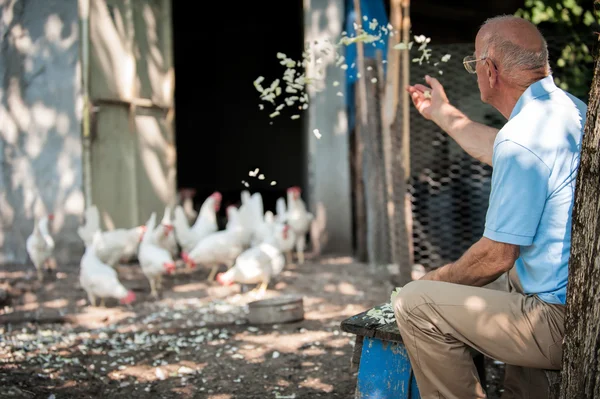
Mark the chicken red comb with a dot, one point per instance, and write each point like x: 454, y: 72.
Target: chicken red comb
x: 130, y: 297
x: 217, y: 195
x: 50, y: 216
x: 169, y: 267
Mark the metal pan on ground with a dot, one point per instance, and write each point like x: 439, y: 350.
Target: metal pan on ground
x: 283, y: 309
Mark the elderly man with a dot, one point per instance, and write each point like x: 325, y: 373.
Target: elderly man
x: 527, y: 232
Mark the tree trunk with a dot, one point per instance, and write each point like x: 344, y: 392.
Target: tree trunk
x: 580, y: 371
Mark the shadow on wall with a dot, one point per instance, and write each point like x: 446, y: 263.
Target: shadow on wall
x: 40, y: 137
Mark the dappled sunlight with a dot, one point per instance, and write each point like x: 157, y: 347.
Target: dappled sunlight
x: 41, y: 128
x: 153, y: 147
x: 317, y: 384
x: 189, y: 287
x: 56, y: 304
x: 342, y: 260
x: 112, y: 42
x: 196, y: 341
x: 343, y: 288
x: 475, y: 303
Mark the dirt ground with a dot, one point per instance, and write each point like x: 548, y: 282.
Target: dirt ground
x: 194, y: 342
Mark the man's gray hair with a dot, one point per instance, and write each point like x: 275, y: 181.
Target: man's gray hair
x: 513, y: 59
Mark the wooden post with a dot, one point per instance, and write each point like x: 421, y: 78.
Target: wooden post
x: 386, y: 134
x: 395, y: 121
x: 360, y: 63
x: 84, y: 24
x: 388, y: 110
x: 405, y: 84
x: 362, y: 127
x: 359, y: 195
x: 406, y: 124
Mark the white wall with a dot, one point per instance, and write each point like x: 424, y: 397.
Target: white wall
x: 40, y: 134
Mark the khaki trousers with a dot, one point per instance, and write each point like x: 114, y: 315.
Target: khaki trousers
x: 438, y: 322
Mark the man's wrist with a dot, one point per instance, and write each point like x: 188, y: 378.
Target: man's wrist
x: 446, y: 116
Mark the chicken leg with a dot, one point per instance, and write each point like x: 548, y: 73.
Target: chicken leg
x: 40, y: 273
x: 153, y: 291
x: 51, y: 265
x: 300, y: 244
x: 288, y: 257
x: 260, y: 290
x: 213, y: 273
x: 92, y: 299
x: 102, y: 304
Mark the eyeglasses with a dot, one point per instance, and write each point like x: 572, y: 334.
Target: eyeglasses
x: 470, y: 63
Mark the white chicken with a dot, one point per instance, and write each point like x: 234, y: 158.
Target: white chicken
x: 206, y: 223
x: 259, y: 264
x: 299, y: 219
x: 264, y: 229
x: 114, y: 244
x: 280, y: 210
x: 119, y: 244
x: 92, y: 224
x: 164, y: 234
x: 184, y: 235
x: 240, y: 220
x: 155, y: 261
x: 222, y: 247
x: 186, y: 200
x: 40, y: 246
x: 100, y: 280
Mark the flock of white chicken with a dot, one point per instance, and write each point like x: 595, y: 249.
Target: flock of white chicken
x: 255, y: 245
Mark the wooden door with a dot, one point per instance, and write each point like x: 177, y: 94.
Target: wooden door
x: 133, y: 161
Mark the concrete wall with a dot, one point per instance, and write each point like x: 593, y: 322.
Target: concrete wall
x: 328, y: 157
x: 40, y: 134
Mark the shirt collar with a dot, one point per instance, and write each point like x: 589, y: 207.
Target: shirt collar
x: 538, y: 89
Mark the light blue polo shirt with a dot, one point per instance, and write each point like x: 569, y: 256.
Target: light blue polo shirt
x: 536, y: 156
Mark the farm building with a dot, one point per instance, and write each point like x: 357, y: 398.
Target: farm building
x: 123, y: 103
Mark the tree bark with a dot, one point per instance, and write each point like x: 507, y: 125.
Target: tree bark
x: 580, y: 368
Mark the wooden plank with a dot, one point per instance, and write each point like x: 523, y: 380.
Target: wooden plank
x: 362, y: 126
x: 113, y: 167
x: 359, y: 196
x: 356, y: 353
x: 364, y: 325
x: 156, y: 162
x: 405, y: 66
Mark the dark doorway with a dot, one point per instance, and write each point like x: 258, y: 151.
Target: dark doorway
x: 221, y: 134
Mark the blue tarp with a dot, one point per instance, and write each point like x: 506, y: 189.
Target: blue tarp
x: 372, y: 9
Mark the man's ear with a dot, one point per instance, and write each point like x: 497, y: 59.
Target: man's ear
x: 492, y: 73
